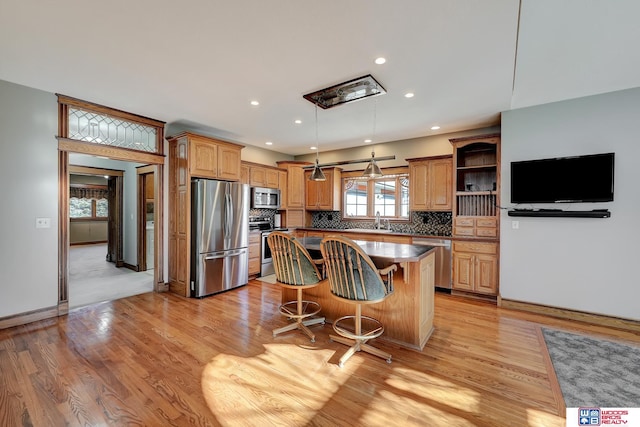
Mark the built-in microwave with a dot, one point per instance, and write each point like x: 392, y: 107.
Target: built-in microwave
x: 265, y: 198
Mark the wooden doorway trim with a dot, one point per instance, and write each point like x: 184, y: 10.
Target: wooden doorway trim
x: 144, y: 175
x: 63, y: 227
x: 66, y: 146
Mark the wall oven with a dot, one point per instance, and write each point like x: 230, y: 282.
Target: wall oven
x: 265, y: 198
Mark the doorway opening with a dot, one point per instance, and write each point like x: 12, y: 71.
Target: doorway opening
x: 104, y: 257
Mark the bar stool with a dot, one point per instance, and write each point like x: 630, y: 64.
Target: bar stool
x: 295, y: 269
x: 355, y: 279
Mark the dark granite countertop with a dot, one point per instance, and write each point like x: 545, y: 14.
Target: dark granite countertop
x: 367, y: 230
x: 393, y: 252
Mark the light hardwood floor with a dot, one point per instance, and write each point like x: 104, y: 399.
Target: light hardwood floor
x: 160, y: 359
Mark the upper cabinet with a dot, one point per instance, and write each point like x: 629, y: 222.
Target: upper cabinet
x: 261, y: 175
x: 295, y: 183
x: 210, y: 158
x: 324, y: 195
x: 430, y: 187
x: 477, y: 186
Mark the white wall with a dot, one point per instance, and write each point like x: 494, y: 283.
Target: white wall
x: 29, y: 176
x: 582, y: 264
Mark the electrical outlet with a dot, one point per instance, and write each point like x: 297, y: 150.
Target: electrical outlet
x: 43, y: 222
x: 515, y: 225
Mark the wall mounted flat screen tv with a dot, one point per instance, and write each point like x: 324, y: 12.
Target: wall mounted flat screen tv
x: 576, y: 179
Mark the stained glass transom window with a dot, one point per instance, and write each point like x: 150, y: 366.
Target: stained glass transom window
x: 102, y: 129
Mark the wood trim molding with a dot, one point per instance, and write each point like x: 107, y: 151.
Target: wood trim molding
x: 63, y: 231
x: 260, y: 165
x: 579, y: 316
x: 131, y: 266
x: 90, y: 106
x: 397, y: 170
x: 117, y: 153
x: 89, y: 170
x: 141, y: 170
x: 30, y: 316
x: 556, y: 391
x: 439, y: 157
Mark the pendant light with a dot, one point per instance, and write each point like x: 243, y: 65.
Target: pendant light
x: 372, y: 170
x: 317, y: 174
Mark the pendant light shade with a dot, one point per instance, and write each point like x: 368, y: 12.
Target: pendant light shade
x: 317, y: 174
x: 372, y: 170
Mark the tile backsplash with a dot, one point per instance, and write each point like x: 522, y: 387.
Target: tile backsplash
x: 431, y: 223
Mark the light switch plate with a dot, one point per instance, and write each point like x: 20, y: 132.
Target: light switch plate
x: 515, y: 225
x: 43, y: 222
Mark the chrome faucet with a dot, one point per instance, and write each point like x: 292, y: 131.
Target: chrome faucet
x: 376, y: 224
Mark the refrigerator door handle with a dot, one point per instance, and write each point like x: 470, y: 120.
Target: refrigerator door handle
x: 229, y: 213
x: 225, y: 254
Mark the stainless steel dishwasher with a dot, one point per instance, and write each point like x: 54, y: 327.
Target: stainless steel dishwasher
x: 443, y: 259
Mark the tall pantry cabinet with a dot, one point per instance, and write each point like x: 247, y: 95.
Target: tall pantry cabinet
x: 476, y: 213
x: 293, y: 199
x: 192, y: 156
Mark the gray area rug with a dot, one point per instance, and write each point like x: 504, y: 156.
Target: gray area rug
x: 594, y: 372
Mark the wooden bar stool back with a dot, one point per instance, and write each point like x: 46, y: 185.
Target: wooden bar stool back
x: 295, y: 269
x: 355, y: 279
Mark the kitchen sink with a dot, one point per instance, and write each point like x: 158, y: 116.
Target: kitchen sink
x: 367, y: 230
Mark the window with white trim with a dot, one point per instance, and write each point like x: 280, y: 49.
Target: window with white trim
x: 364, y: 197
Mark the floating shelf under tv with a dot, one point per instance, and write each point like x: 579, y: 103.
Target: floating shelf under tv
x: 560, y: 214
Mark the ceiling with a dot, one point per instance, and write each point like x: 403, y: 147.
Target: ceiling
x: 197, y: 64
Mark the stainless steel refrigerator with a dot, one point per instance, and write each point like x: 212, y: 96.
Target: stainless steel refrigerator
x: 220, y: 230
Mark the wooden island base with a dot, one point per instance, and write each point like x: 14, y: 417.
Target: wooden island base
x: 407, y: 315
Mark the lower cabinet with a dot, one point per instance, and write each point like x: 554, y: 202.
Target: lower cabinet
x: 475, y: 267
x: 254, y: 253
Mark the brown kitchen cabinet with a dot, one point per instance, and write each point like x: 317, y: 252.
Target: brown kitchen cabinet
x: 210, y: 158
x: 192, y: 156
x: 477, y: 186
x: 475, y: 267
x: 476, y: 213
x: 430, y: 183
x: 293, y: 215
x: 244, y: 173
x: 324, y: 195
x: 254, y: 253
x: 282, y: 186
x: 295, y: 183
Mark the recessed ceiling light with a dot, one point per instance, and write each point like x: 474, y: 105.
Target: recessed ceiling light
x: 408, y: 95
x: 380, y: 61
x: 435, y: 127
x: 314, y: 148
x: 269, y: 143
x: 298, y: 121
x: 366, y: 141
x: 255, y: 103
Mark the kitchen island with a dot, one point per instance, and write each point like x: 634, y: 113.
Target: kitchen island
x: 407, y: 314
